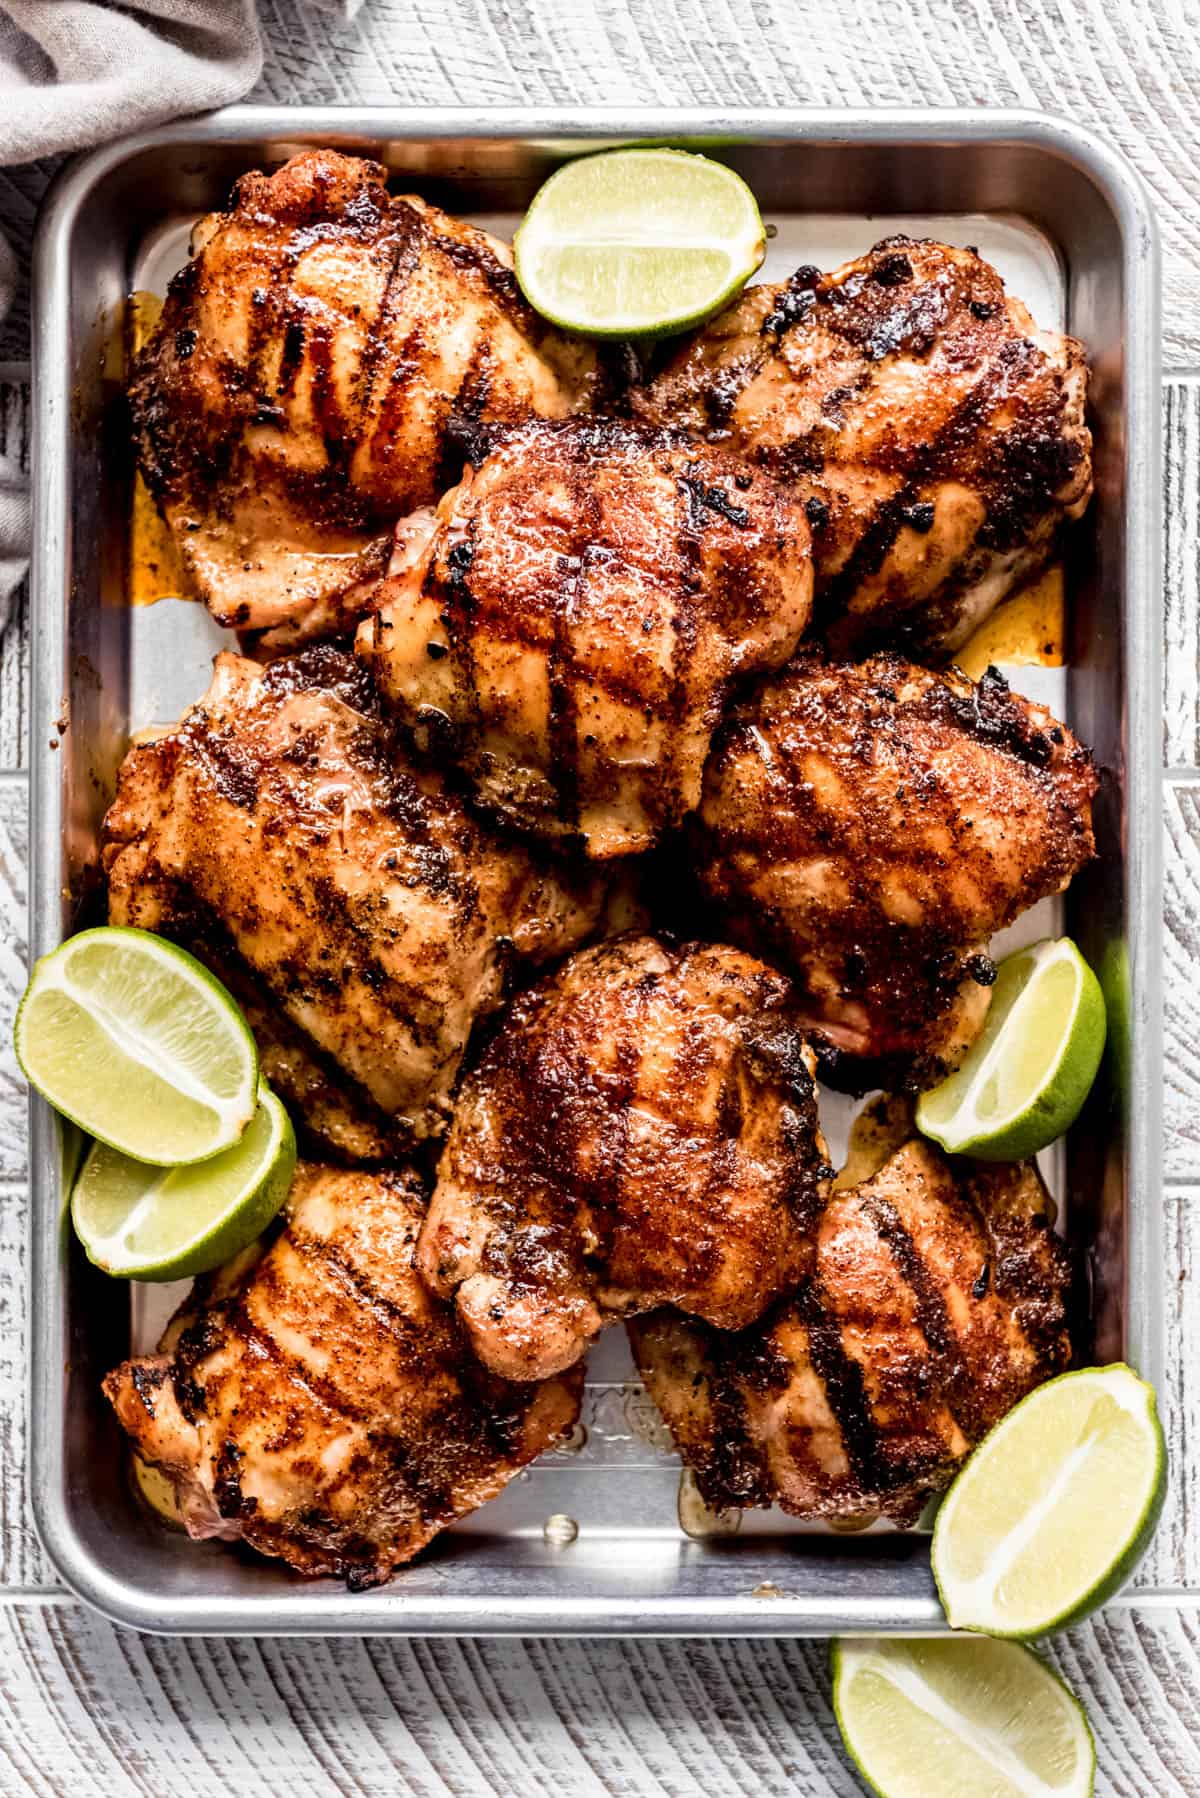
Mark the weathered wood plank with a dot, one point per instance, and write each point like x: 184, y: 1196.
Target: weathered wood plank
x: 14, y: 858
x: 15, y: 424
x: 1181, y: 967
x: 1173, y: 1559
x: 85, y: 1709
x: 1181, y: 573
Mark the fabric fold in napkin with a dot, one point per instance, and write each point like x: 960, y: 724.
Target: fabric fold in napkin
x: 74, y: 73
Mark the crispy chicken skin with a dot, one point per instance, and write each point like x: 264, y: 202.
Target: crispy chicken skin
x: 872, y: 825
x: 938, y: 437
x: 275, y: 829
x: 588, y: 594
x: 938, y: 1298
x: 642, y: 1129
x: 320, y: 366
x: 320, y: 1404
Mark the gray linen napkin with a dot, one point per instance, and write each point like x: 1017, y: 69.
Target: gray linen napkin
x: 77, y: 72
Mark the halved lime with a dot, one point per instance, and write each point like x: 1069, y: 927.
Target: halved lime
x: 152, y: 1223
x: 1055, y: 1507
x: 1025, y: 1078
x: 135, y: 1042
x: 943, y: 1719
x: 638, y: 243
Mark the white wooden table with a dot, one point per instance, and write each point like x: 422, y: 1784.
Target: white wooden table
x: 88, y: 1709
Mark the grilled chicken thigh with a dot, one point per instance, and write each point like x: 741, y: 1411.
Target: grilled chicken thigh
x: 937, y: 1299
x: 319, y: 370
x: 314, y: 1400
x: 275, y: 830
x: 642, y: 1129
x: 938, y: 437
x: 872, y: 825
x: 569, y: 634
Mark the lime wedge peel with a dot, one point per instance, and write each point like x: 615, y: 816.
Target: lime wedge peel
x: 943, y: 1718
x: 1025, y: 1079
x: 638, y: 242
x: 142, y: 1222
x: 137, y: 1043
x: 1053, y: 1511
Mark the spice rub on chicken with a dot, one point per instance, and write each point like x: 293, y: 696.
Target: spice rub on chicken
x: 277, y: 833
x: 937, y: 437
x: 642, y: 1129
x: 872, y: 825
x: 937, y: 1297
x: 314, y: 1400
x: 569, y: 635
x: 319, y: 371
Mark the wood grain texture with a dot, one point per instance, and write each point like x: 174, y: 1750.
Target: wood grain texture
x: 1181, y: 968
x: 14, y: 640
x: 14, y: 859
x: 1181, y: 573
x: 88, y: 1710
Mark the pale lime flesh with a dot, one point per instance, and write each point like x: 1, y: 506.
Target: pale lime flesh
x: 152, y: 1223
x: 637, y: 243
x: 1055, y: 1507
x: 134, y: 1041
x: 1025, y: 1079
x: 944, y: 1719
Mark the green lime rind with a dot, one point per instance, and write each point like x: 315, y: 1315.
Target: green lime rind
x: 188, y: 1219
x: 991, y: 1468
x: 1055, y: 1094
x: 133, y: 1040
x: 640, y: 242
x: 895, y: 1761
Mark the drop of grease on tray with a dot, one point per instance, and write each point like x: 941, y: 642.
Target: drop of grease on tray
x: 697, y: 1518
x: 559, y: 1530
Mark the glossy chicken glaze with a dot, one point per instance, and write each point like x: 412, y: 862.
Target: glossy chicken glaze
x: 313, y: 1399
x: 936, y: 1299
x: 570, y: 632
x: 873, y: 825
x: 277, y: 833
x: 321, y: 368
x: 937, y: 437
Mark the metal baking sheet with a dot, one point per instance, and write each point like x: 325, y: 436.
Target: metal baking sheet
x: 1070, y: 229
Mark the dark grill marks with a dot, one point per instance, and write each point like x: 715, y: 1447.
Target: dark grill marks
x: 794, y: 301
x: 711, y: 498
x: 402, y: 246
x: 564, y: 600
x: 933, y: 462
x: 933, y: 1319
x: 845, y: 1390
x: 685, y: 624
x: 331, y: 1263
x: 731, y: 1467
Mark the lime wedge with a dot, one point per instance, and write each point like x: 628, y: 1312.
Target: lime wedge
x: 1026, y: 1077
x: 941, y: 1719
x: 136, y: 1043
x: 1055, y: 1507
x: 638, y: 243
x: 153, y: 1223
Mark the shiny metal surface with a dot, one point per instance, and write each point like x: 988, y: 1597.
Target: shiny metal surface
x: 97, y: 667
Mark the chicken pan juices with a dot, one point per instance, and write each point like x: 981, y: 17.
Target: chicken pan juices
x: 587, y: 799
